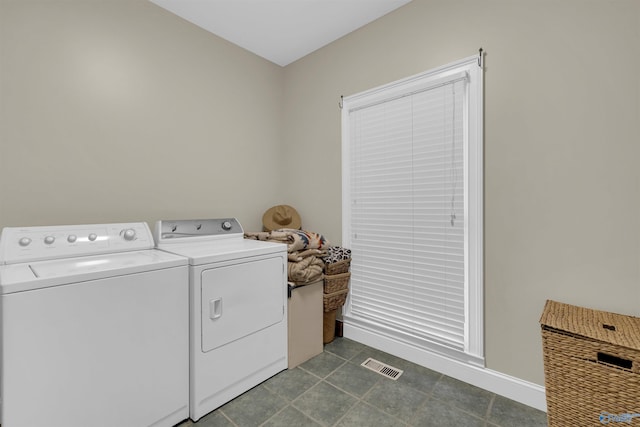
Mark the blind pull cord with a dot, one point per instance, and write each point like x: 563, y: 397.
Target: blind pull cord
x: 453, y: 155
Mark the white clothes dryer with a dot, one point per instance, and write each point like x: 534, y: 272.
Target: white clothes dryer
x: 238, y: 308
x: 94, y: 328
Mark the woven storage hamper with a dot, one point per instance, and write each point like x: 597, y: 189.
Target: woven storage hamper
x: 591, y: 366
x: 329, y: 326
x: 336, y: 282
x: 337, y: 267
x: 335, y: 300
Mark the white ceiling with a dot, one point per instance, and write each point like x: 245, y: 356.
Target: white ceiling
x: 281, y: 31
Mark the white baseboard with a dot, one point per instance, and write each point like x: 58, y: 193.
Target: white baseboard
x: 513, y: 388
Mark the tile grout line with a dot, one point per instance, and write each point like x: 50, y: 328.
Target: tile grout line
x: 292, y: 404
x: 490, y: 407
x: 343, y: 415
x: 322, y: 378
x: 309, y: 372
x: 281, y: 409
x: 227, y: 417
x: 364, y: 402
x: 381, y: 380
x: 345, y: 391
x: 289, y: 401
x: 459, y: 409
x: 429, y: 398
x: 437, y: 399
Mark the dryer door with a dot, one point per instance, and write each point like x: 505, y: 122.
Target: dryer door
x: 240, y: 299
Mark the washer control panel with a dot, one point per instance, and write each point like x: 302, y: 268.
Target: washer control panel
x: 24, y: 244
x: 177, y: 230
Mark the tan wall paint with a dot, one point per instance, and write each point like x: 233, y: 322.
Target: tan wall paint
x: 120, y: 111
x: 562, y: 206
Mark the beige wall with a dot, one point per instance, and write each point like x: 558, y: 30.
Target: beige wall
x: 120, y: 111
x: 562, y: 119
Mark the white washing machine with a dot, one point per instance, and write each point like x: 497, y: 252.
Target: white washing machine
x: 94, y: 328
x: 238, y: 305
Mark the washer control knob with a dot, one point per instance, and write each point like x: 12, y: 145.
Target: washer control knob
x: 93, y: 237
x: 25, y: 241
x: 129, y: 234
x: 71, y: 238
x: 49, y: 240
x: 226, y: 225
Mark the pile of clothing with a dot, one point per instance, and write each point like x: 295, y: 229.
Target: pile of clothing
x: 306, y: 251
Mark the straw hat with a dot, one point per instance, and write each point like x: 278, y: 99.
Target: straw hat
x: 281, y: 216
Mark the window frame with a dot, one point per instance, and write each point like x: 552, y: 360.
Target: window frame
x: 473, y: 159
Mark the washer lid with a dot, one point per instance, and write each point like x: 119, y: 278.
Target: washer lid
x: 43, y: 274
x: 207, y: 252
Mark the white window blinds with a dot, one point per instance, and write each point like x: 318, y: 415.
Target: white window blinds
x: 407, y: 210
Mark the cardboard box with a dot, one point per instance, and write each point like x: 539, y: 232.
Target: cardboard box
x: 305, y: 323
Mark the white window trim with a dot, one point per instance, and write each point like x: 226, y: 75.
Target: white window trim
x: 473, y: 158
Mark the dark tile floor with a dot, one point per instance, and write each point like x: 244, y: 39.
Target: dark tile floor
x: 332, y: 389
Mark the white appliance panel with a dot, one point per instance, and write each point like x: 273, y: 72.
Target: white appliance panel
x: 24, y: 244
x: 217, y: 250
x: 223, y: 374
x: 42, y: 274
x: 238, y: 311
x: 240, y: 299
x: 97, y: 353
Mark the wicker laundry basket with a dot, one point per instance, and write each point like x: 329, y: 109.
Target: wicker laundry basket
x: 591, y: 366
x: 329, y: 326
x: 335, y: 300
x: 336, y: 282
x: 337, y: 267
x: 331, y: 303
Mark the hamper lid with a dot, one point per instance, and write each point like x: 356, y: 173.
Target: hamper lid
x: 613, y: 328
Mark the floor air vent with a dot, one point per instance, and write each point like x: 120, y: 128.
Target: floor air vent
x: 382, y: 369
